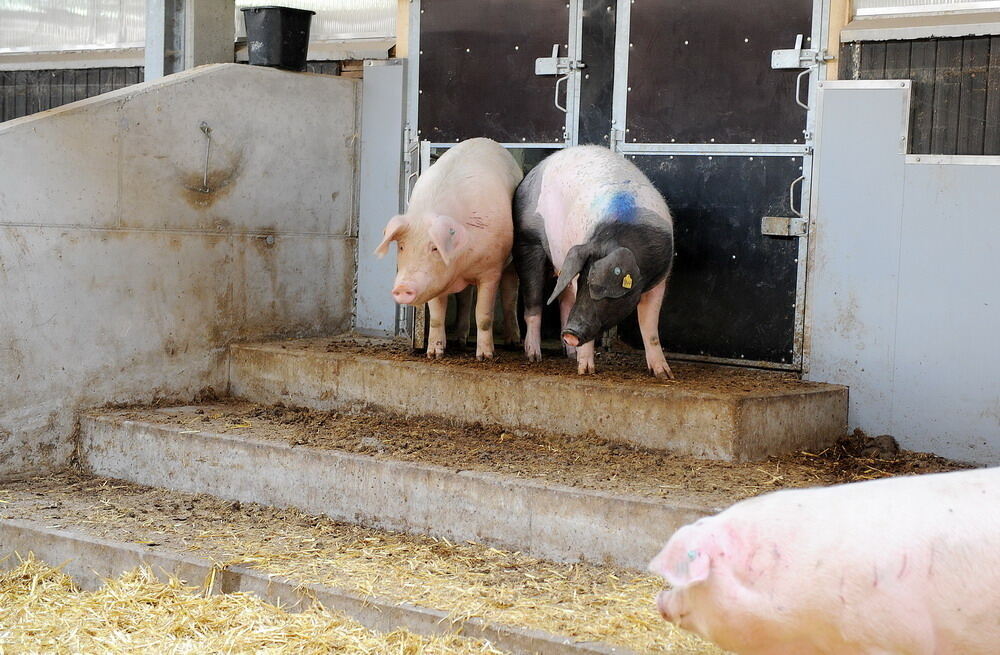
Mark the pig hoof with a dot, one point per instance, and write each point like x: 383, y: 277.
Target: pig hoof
x: 585, y: 368
x: 435, y: 351
x: 662, y: 372
x: 483, y: 356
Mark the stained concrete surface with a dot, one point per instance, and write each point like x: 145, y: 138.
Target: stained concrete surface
x: 118, y: 282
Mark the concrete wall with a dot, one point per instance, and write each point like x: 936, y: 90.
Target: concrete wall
x: 122, y: 279
x: 903, y: 294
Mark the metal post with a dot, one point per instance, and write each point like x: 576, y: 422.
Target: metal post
x: 182, y: 34
x: 164, y: 38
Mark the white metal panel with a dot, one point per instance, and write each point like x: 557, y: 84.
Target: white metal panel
x: 380, y: 182
x: 947, y: 364
x: 903, y: 304
x: 856, y: 212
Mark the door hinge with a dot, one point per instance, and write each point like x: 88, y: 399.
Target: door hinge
x: 797, y: 57
x: 784, y: 226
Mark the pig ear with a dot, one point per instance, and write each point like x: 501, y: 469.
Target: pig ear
x: 613, y: 275
x: 392, y: 232
x: 576, y: 259
x: 448, y: 235
x: 684, y: 560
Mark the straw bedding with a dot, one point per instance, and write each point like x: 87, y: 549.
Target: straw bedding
x: 581, y: 601
x: 41, y: 611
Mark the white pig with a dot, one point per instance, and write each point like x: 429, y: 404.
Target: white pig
x: 902, y: 566
x: 458, y: 232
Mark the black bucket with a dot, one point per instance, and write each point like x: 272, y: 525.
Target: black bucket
x: 278, y: 36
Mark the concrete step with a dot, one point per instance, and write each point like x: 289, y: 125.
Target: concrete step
x: 495, y: 492
x: 99, y: 528
x: 712, y: 412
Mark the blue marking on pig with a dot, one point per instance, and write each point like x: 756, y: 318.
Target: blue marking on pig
x: 621, y: 208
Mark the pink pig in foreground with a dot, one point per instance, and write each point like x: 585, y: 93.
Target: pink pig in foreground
x: 457, y: 232
x: 903, y: 566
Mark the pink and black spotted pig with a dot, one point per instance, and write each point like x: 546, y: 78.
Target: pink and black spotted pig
x: 608, y: 233
x: 902, y: 566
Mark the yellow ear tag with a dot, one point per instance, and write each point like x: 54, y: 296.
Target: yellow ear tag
x: 627, y: 281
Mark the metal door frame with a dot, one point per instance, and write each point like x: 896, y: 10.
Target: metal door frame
x: 417, y: 152
x: 820, y: 20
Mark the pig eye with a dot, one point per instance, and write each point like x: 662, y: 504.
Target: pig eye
x: 618, y: 271
x: 400, y: 246
x: 434, y: 249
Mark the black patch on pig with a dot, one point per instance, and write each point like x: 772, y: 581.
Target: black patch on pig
x: 650, y: 243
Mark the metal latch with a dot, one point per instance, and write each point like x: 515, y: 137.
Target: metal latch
x: 556, y: 65
x: 784, y: 226
x: 797, y: 57
x: 787, y: 226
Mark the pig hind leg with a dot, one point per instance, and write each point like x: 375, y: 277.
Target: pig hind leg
x: 530, y: 261
x: 463, y: 314
x: 508, y: 304
x: 437, y: 308
x: 649, y: 325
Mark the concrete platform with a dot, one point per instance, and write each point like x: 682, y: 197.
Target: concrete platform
x: 549, y: 521
x: 709, y: 412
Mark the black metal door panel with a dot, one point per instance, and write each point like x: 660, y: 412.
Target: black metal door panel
x: 477, y: 70
x: 597, y: 51
x: 732, y: 291
x: 700, y: 71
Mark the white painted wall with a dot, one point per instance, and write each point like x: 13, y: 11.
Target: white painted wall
x: 903, y: 294
x: 121, y: 281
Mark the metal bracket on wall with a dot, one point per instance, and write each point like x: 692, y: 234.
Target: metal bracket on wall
x: 784, y: 226
x: 797, y: 57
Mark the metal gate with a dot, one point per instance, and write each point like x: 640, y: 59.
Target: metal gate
x: 686, y: 89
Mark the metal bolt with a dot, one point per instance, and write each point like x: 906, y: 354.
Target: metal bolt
x: 467, y: 50
x: 517, y: 47
x: 685, y: 43
x: 747, y: 40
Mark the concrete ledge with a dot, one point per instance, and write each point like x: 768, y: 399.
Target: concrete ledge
x: 89, y: 560
x: 734, y: 426
x: 546, y: 520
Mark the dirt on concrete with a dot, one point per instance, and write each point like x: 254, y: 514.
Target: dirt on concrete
x: 628, y: 368
x: 589, y: 463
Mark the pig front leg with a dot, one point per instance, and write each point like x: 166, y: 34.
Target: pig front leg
x: 437, y: 308
x: 463, y: 312
x: 485, y: 302
x: 649, y: 325
x: 584, y: 353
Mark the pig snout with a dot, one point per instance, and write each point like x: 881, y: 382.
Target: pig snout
x: 663, y: 605
x: 404, y: 293
x: 571, y: 339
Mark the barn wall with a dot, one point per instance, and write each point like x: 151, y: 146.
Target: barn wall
x: 903, y: 303
x: 955, y: 107
x: 122, y: 279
